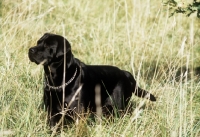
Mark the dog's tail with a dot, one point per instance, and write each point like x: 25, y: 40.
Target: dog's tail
x: 137, y: 90
x: 144, y: 94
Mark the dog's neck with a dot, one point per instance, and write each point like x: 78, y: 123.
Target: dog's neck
x: 54, y: 71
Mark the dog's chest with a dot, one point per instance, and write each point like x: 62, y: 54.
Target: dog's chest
x: 74, y: 102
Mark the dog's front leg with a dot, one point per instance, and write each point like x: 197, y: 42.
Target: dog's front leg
x: 54, y: 119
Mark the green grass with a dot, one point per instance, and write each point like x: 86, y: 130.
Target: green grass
x: 134, y: 35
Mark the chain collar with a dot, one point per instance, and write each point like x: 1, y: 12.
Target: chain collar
x: 58, y: 87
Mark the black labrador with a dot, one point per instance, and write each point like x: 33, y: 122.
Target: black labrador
x: 115, y: 86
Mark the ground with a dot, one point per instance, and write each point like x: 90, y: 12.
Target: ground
x: 138, y: 36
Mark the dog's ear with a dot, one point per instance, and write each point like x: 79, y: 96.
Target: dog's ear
x: 62, y: 42
x: 58, y: 41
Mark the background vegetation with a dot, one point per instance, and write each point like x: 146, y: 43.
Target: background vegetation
x: 181, y: 7
x: 161, y: 52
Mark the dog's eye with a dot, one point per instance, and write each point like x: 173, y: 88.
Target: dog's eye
x: 45, y: 45
x: 51, y: 51
x: 50, y: 42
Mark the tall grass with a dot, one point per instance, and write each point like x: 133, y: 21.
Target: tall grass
x: 134, y: 35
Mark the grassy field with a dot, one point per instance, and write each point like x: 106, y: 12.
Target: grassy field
x: 134, y: 35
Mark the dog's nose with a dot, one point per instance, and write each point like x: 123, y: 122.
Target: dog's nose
x: 32, y: 50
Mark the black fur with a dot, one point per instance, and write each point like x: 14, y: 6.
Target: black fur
x: 116, y: 85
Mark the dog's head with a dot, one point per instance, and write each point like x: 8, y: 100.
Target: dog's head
x: 49, y: 48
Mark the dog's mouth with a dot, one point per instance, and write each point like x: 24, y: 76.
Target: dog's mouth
x: 43, y: 62
x: 37, y: 58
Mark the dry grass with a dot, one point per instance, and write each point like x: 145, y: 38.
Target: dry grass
x: 134, y: 35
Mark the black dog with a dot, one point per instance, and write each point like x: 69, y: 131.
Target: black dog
x: 116, y: 86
